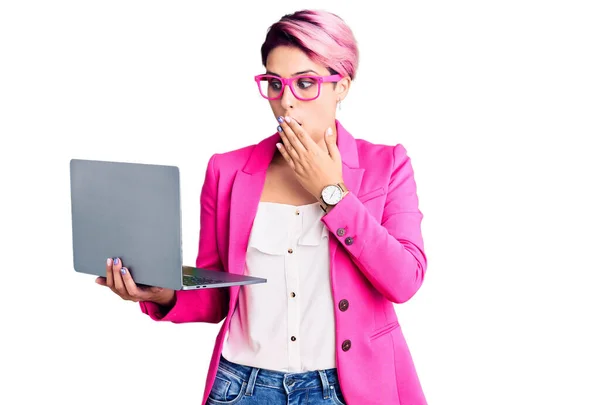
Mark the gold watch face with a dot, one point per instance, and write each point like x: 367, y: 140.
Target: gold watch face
x: 331, y: 194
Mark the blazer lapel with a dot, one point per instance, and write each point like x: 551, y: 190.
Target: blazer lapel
x: 248, y: 185
x: 352, y: 174
x: 245, y: 195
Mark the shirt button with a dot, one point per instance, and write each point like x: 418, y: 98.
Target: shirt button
x: 341, y: 232
x: 349, y: 240
x: 290, y: 250
x: 293, y: 294
x: 297, y: 212
x: 293, y: 338
x: 343, y: 305
x: 346, y: 345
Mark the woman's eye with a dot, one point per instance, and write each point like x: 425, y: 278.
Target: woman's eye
x: 305, y: 84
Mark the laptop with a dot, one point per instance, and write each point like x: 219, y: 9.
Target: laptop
x: 133, y: 211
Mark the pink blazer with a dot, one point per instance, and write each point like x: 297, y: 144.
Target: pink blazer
x: 376, y: 259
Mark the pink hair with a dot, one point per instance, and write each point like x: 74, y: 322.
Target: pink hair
x: 323, y: 36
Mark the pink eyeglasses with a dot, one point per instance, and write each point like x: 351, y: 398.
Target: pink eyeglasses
x: 304, y: 88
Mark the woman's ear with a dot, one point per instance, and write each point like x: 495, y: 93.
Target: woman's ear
x: 342, y: 87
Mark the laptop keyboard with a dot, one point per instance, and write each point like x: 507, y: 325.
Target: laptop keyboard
x: 194, y: 280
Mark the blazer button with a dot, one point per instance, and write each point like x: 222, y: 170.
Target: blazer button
x: 343, y: 305
x: 349, y: 240
x: 346, y: 345
x: 341, y: 232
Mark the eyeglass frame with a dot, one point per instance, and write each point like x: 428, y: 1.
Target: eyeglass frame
x: 290, y: 80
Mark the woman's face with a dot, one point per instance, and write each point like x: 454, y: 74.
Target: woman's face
x: 314, y: 115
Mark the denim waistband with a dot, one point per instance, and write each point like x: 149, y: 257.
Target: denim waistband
x: 278, y: 379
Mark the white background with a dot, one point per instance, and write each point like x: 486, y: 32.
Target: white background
x: 497, y: 104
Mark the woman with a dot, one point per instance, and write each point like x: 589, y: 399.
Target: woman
x: 331, y: 221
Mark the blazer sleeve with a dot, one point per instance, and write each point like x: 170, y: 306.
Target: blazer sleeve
x: 204, y: 305
x: 394, y: 261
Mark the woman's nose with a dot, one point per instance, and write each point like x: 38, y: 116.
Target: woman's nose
x: 287, y: 98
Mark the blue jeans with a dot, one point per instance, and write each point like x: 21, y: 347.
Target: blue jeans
x: 240, y: 384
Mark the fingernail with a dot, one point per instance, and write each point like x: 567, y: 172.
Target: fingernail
x: 116, y: 261
x: 329, y: 131
x: 280, y: 119
x: 288, y: 119
x: 109, y: 261
x: 123, y: 270
x: 279, y: 128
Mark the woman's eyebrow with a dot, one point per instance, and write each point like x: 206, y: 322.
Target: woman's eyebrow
x: 295, y: 74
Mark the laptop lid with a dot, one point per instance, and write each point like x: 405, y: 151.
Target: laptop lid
x: 131, y: 211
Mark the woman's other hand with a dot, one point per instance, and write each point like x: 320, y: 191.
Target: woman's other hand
x: 119, y: 280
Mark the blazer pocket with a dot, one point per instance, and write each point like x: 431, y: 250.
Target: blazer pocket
x: 384, y: 330
x: 369, y: 195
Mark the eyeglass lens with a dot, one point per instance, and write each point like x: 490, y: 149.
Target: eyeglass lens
x: 303, y: 87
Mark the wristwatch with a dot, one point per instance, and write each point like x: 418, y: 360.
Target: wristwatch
x: 331, y: 195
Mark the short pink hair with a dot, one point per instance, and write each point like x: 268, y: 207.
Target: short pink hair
x: 323, y: 36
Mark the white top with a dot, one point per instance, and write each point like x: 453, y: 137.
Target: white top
x: 286, y: 324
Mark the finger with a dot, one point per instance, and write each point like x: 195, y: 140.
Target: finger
x: 293, y: 136
x: 285, y: 155
x: 109, y: 273
x: 118, y: 280
x: 303, y: 138
x: 332, y: 148
x: 135, y: 292
x: 101, y: 281
x: 289, y: 148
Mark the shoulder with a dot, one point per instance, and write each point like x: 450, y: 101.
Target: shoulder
x: 380, y: 154
x: 230, y: 161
